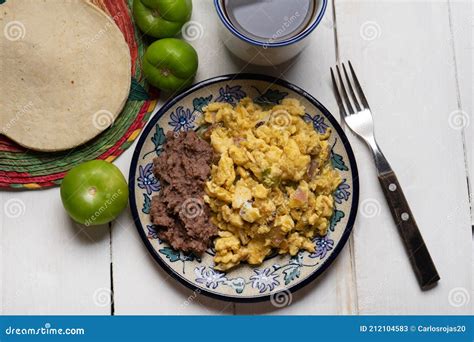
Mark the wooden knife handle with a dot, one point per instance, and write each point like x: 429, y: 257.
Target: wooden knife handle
x: 418, y: 253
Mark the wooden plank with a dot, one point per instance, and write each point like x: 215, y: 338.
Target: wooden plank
x: 335, y: 291
x: 401, y: 51
x: 461, y: 13
x: 140, y: 285
x: 49, y: 265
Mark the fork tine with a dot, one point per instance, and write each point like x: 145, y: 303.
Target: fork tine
x: 344, y: 92
x: 349, y: 83
x: 338, y: 96
x: 362, y: 97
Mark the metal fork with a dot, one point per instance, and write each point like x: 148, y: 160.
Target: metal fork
x: 356, y: 112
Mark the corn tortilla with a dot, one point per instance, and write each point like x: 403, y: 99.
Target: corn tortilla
x: 65, y: 72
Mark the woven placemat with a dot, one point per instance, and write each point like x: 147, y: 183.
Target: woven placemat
x: 25, y: 169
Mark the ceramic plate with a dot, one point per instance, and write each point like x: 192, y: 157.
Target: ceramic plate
x: 278, y: 275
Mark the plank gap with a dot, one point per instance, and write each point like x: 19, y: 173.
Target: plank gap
x: 334, y: 25
x: 460, y: 106
x: 354, y: 297
x: 111, y: 270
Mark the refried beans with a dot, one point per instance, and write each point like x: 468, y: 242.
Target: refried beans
x: 179, y: 210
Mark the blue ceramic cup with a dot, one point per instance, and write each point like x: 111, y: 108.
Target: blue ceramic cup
x: 268, y: 32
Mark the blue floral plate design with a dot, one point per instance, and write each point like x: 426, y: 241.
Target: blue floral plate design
x: 277, y: 274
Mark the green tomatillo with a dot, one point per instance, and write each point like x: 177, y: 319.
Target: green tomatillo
x: 161, y: 18
x: 94, y: 192
x: 170, y: 64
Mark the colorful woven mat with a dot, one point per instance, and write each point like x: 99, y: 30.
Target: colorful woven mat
x: 25, y: 169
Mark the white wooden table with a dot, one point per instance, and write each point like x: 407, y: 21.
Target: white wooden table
x: 414, y: 59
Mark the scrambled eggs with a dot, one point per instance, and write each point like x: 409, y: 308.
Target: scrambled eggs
x: 272, y: 186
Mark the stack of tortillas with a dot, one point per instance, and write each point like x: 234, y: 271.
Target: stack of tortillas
x: 65, y: 72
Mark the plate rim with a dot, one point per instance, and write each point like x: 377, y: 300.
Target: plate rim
x: 231, y: 77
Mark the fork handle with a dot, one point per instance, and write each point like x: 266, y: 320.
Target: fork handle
x: 418, y: 253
